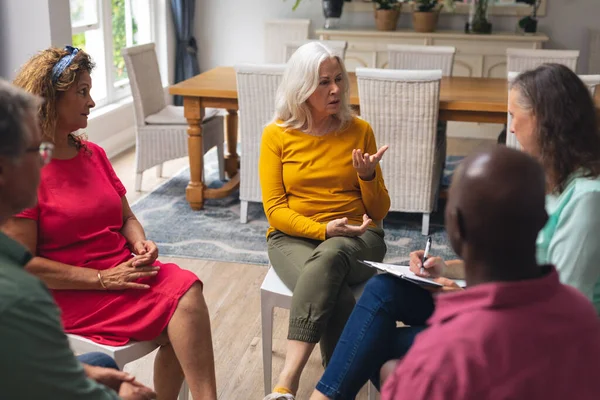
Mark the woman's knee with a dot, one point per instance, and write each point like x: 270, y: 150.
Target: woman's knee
x: 331, y: 257
x: 384, y: 285
x: 193, y: 300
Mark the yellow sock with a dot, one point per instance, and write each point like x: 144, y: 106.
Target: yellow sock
x: 282, y: 390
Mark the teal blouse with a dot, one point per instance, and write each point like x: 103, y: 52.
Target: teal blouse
x: 571, y: 238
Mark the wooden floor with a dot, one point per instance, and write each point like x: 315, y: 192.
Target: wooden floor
x: 232, y: 292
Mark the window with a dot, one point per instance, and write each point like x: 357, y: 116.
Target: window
x: 102, y: 28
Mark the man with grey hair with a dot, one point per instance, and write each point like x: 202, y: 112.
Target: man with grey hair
x: 35, y: 358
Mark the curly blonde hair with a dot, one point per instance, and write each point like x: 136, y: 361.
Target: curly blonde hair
x: 35, y: 77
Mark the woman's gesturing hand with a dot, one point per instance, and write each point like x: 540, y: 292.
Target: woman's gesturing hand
x: 365, y: 164
x: 124, y: 275
x: 340, y: 227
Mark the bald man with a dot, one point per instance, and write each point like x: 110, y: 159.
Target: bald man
x: 516, y: 332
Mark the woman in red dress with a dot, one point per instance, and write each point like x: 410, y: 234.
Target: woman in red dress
x: 91, y: 250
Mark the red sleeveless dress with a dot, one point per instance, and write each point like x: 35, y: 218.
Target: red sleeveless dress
x: 79, y: 216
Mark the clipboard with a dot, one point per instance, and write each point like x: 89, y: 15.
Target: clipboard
x: 404, y: 272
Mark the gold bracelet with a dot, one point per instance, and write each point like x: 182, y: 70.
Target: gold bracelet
x: 101, y: 283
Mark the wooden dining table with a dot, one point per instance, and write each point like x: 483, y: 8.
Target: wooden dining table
x: 461, y: 99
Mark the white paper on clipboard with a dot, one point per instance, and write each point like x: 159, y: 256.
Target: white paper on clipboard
x: 404, y: 272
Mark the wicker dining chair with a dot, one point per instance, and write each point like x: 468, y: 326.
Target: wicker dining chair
x: 337, y: 46
x: 256, y: 86
x: 161, y: 129
x: 519, y: 60
x: 402, y: 107
x: 416, y: 57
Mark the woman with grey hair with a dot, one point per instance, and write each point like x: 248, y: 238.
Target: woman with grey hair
x: 322, y: 190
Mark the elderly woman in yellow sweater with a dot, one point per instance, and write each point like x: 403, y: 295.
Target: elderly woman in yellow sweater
x: 322, y: 189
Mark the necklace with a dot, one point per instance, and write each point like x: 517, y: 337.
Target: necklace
x: 330, y: 126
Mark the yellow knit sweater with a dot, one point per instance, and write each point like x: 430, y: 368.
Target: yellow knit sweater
x: 308, y: 180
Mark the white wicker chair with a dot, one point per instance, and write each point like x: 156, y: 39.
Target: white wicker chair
x: 337, y: 46
x: 404, y: 56
x: 256, y: 86
x: 161, y: 129
x: 402, y: 107
x: 519, y: 60
x: 591, y: 81
x: 278, y: 32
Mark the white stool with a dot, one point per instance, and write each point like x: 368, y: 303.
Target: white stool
x: 121, y: 354
x: 274, y: 293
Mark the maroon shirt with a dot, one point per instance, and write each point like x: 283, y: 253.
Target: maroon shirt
x: 532, y: 339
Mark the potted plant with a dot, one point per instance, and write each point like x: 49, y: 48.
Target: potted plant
x: 479, y: 17
x: 387, y: 13
x: 426, y: 13
x: 529, y: 23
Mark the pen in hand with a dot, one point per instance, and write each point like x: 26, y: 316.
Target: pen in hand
x: 425, y: 255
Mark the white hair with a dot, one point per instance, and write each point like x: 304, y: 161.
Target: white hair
x: 300, y: 80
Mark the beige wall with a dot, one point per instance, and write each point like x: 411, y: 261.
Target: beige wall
x: 230, y: 32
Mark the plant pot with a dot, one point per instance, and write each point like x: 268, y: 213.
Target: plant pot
x: 482, y: 27
x: 425, y: 21
x: 386, y: 20
x: 529, y: 25
x: 332, y: 10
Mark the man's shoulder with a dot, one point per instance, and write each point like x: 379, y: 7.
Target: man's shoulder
x: 17, y: 285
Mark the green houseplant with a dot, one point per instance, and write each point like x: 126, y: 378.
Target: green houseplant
x: 529, y: 23
x: 478, y: 17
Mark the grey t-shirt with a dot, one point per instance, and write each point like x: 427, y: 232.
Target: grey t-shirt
x: 36, y: 361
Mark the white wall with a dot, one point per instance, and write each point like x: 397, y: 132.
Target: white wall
x: 230, y: 32
x: 26, y: 28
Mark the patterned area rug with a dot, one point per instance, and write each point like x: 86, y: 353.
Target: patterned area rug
x: 216, y: 233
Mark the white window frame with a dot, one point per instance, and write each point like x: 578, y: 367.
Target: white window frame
x: 81, y: 28
x: 115, y: 91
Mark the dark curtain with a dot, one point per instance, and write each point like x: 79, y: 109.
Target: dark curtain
x: 186, y: 53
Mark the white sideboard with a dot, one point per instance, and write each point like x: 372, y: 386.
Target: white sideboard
x: 476, y: 55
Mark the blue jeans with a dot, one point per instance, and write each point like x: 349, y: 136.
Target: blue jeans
x: 370, y: 337
x: 98, y: 359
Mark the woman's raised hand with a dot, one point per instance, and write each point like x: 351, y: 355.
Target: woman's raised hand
x: 365, y: 164
x: 124, y: 275
x: 340, y: 227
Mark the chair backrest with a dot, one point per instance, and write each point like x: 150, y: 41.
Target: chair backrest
x: 519, y: 60
x: 337, y: 46
x: 402, y: 107
x: 591, y: 81
x: 144, y: 77
x: 257, y: 86
x: 413, y: 57
x: 278, y: 32
x: 594, y: 62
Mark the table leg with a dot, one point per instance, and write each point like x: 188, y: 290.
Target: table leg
x: 194, y: 113
x: 232, y: 160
